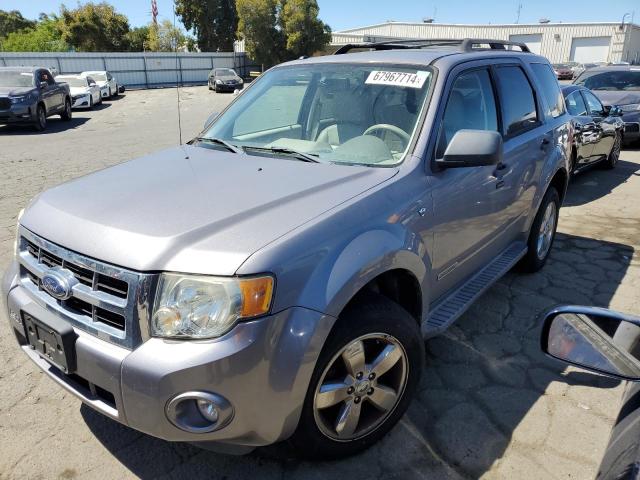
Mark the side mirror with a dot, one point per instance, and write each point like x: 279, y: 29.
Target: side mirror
x: 615, y: 111
x: 210, y: 120
x: 472, y: 148
x: 92, y: 84
x: 595, y: 339
x: 43, y: 85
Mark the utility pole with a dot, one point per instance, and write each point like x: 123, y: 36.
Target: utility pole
x: 518, y: 12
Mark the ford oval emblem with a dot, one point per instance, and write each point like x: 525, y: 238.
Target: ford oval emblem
x: 58, y: 283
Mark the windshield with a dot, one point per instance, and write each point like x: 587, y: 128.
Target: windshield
x: 625, y: 80
x: 225, y: 72
x: 98, y: 77
x: 342, y: 113
x: 16, y: 79
x: 73, y: 81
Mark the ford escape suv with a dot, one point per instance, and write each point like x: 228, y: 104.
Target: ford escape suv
x: 275, y: 278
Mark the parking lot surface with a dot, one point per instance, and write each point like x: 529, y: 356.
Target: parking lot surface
x: 490, y: 404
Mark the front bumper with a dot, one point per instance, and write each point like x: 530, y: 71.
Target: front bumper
x: 262, y: 368
x: 18, y: 113
x: 81, y: 101
x: 229, y: 88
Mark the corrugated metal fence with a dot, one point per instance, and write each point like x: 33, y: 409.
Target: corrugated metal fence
x: 137, y: 70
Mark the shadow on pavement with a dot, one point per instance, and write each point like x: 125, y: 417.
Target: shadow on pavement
x: 54, y: 125
x: 596, y: 182
x: 485, y: 382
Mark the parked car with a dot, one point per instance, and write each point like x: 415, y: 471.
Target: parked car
x: 617, y: 85
x: 581, y: 67
x: 107, y: 82
x: 224, y: 79
x: 299, y: 249
x: 28, y: 95
x: 563, y: 71
x: 607, y: 343
x: 598, y: 129
x: 85, y: 93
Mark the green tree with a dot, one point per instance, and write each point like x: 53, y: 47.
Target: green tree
x: 12, y: 21
x: 95, y: 27
x: 305, y: 33
x: 45, y: 37
x: 258, y: 26
x: 137, y: 37
x: 213, y: 21
x: 165, y: 37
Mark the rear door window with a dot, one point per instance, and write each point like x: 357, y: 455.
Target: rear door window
x: 519, y: 112
x: 471, y: 105
x: 550, y: 89
x: 576, y: 105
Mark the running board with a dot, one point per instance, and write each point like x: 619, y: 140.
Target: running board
x: 452, y: 307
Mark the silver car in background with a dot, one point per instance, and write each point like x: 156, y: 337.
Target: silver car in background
x: 85, y: 93
x: 106, y: 81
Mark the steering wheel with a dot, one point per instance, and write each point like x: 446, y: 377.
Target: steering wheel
x: 389, y: 128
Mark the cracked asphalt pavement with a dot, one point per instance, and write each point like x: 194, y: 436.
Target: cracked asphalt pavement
x: 490, y: 404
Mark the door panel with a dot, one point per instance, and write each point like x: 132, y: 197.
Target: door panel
x: 605, y: 132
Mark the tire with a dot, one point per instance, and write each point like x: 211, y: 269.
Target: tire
x: 66, y: 114
x: 209, y: 85
x: 614, y: 155
x: 41, y: 119
x: 538, y: 253
x: 115, y: 94
x: 90, y: 102
x: 572, y: 162
x: 379, y: 325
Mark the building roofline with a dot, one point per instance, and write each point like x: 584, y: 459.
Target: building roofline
x: 498, y: 25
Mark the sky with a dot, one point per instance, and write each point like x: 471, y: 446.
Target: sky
x: 341, y: 14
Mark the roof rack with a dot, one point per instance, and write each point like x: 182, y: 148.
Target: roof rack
x: 463, y: 44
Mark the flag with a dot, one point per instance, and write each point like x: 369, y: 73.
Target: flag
x: 154, y: 11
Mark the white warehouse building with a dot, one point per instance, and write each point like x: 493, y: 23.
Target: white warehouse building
x: 559, y: 42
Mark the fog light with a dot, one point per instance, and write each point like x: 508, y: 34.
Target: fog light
x: 199, y: 412
x: 208, y: 410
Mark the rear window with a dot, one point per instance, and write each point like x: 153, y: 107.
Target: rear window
x: 518, y: 101
x: 550, y: 89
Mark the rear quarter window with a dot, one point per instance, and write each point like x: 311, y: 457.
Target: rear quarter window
x: 550, y: 89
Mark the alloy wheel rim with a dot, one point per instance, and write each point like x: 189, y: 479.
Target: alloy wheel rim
x: 545, y: 235
x: 42, y: 118
x: 361, y: 386
x: 615, y: 154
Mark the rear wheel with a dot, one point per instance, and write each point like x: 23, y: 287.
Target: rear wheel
x: 363, y: 382
x: 614, y: 155
x: 66, y: 114
x: 542, y: 233
x: 41, y: 119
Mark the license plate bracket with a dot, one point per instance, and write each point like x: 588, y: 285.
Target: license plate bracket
x: 54, y: 341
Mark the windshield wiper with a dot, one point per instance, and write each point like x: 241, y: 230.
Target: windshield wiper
x: 304, y: 157
x: 219, y: 141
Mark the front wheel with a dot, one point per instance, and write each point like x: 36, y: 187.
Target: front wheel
x: 66, y: 114
x: 116, y: 92
x: 41, y: 119
x: 542, y: 233
x: 363, y: 382
x: 614, y: 155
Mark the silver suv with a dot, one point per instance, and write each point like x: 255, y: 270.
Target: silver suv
x: 275, y: 278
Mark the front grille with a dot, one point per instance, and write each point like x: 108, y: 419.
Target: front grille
x: 5, y: 103
x: 104, y: 300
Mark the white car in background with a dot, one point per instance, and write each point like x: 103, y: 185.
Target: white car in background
x: 85, y: 92
x: 107, y: 82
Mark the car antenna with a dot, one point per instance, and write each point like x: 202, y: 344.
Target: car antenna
x: 175, y: 48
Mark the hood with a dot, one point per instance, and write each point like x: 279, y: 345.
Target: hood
x: 79, y: 90
x: 14, y: 91
x: 227, y: 77
x: 203, y: 214
x: 617, y: 97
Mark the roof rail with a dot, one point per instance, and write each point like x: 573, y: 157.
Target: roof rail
x: 463, y: 44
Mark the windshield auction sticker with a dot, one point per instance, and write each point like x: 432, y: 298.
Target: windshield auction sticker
x: 397, y: 79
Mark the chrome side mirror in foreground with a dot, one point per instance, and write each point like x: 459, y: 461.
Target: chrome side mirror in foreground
x: 595, y: 339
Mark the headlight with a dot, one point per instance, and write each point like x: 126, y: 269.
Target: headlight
x: 15, y: 241
x: 20, y: 99
x: 219, y: 82
x: 194, y: 306
x: 630, y: 107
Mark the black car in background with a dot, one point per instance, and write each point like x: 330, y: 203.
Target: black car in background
x: 617, y: 85
x: 28, y: 95
x: 598, y: 129
x: 224, y: 80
